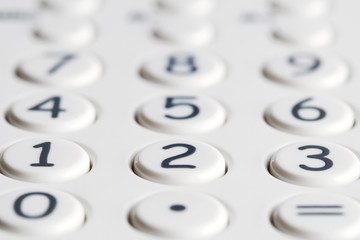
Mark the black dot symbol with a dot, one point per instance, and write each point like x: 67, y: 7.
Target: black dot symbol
x: 177, y: 207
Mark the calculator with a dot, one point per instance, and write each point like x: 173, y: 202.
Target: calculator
x: 179, y: 119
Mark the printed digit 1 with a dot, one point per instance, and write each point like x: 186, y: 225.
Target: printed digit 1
x: 43, y: 160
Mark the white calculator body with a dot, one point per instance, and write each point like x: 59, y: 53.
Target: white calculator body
x: 179, y: 119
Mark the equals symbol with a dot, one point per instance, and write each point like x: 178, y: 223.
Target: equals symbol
x: 320, y: 210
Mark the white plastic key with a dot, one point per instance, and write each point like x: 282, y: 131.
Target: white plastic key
x: 40, y: 212
x: 184, y: 69
x: 45, y: 160
x: 316, y: 164
x: 322, y: 216
x: 307, y: 69
x: 73, y: 7
x: 180, y: 161
x: 311, y: 115
x: 303, y: 8
x: 180, y: 215
x: 65, y: 30
x: 303, y: 32
x: 191, y: 31
x: 187, y: 7
x: 181, y: 114
x: 51, y: 111
x: 69, y: 69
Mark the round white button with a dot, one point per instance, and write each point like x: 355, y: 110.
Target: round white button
x: 52, y: 112
x: 72, y: 7
x: 316, y: 164
x: 307, y: 69
x: 180, y: 162
x: 44, y: 160
x: 180, y: 215
x: 41, y: 213
x: 303, y: 8
x: 319, y: 216
x: 66, y: 30
x: 184, y: 69
x: 187, y: 7
x: 182, y: 114
x: 312, y: 115
x: 184, y: 30
x: 304, y: 33
x: 61, y: 69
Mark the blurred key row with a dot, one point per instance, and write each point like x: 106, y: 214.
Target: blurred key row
x: 303, y: 69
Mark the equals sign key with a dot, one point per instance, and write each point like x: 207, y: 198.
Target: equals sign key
x: 320, y: 216
x: 320, y: 210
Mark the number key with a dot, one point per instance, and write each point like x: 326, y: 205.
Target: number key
x: 184, y: 69
x: 52, y: 112
x: 180, y: 161
x: 307, y: 70
x: 316, y: 115
x: 39, y: 212
x: 61, y: 69
x: 44, y: 160
x: 182, y: 114
x: 315, y: 164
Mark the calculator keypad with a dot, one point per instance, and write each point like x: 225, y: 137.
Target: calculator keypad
x: 179, y: 119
